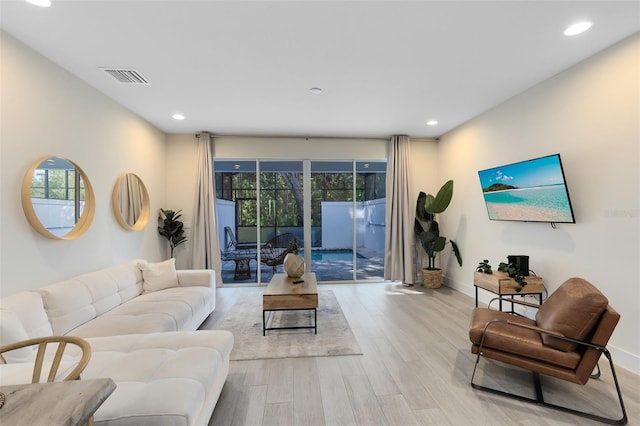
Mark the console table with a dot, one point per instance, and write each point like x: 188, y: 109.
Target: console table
x: 59, y: 403
x: 501, y: 284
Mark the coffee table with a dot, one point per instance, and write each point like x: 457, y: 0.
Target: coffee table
x: 283, y: 295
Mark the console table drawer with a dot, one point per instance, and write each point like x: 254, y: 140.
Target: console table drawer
x: 500, y: 283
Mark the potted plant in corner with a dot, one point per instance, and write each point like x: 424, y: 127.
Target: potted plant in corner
x: 171, y: 228
x: 427, y: 232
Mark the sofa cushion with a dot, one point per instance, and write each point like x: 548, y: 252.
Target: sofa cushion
x: 162, y: 378
x: 572, y: 310
x: 68, y: 305
x: 29, y: 310
x: 73, y: 302
x: 173, y: 309
x: 11, y: 331
x: 158, y: 276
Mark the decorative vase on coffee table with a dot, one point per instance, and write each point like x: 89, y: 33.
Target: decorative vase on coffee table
x: 294, y: 265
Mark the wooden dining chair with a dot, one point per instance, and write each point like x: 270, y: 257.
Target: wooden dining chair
x: 42, y: 342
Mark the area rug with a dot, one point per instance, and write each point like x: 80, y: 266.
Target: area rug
x: 244, y: 320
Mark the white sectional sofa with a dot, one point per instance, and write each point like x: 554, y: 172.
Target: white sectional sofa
x: 141, y: 320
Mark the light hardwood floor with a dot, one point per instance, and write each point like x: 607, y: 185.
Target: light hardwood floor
x: 415, y: 370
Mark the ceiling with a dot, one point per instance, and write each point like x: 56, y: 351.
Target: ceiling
x: 384, y: 67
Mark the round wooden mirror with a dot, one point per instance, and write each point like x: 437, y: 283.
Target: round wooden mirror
x: 130, y: 201
x: 57, y: 198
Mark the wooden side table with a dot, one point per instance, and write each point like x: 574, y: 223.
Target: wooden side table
x: 501, y: 284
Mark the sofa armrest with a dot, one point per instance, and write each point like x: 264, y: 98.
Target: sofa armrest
x: 197, y: 277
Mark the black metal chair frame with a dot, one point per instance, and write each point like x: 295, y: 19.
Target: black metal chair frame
x: 272, y: 253
x: 539, y: 399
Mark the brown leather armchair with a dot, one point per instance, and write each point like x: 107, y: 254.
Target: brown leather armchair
x: 565, y: 340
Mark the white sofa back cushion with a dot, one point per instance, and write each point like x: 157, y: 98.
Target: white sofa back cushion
x: 11, y: 331
x: 29, y: 309
x: 22, y: 317
x: 73, y: 302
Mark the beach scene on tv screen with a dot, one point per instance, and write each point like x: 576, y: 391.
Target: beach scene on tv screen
x: 532, y: 190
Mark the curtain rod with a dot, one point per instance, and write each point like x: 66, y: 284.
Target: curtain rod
x: 214, y: 135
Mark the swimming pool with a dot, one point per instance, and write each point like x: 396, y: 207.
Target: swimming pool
x: 329, y: 255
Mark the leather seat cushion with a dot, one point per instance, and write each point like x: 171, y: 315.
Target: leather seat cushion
x: 516, y: 340
x: 572, y: 310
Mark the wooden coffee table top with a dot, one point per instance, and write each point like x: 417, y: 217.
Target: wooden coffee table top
x: 282, y: 293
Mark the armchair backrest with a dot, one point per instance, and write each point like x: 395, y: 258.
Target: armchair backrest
x: 600, y: 335
x: 572, y: 310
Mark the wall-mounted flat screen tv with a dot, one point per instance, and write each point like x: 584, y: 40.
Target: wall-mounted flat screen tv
x: 529, y: 191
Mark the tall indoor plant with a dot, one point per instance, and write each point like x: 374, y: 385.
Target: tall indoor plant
x: 427, y: 232
x: 171, y: 228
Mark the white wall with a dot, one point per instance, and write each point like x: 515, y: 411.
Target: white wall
x: 337, y: 224
x: 374, y: 224
x: 589, y: 114
x: 46, y: 111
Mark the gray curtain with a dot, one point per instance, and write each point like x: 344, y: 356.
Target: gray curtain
x: 399, y: 239
x: 206, y: 245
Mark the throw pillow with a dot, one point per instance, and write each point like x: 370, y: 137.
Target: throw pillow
x: 572, y: 310
x: 158, y: 276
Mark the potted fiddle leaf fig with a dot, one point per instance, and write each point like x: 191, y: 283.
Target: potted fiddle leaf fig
x: 171, y: 228
x: 427, y: 232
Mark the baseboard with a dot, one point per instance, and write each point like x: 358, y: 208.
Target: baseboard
x: 622, y: 358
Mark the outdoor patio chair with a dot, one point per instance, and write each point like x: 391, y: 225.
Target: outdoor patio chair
x: 231, y: 243
x: 272, y: 253
x: 565, y: 340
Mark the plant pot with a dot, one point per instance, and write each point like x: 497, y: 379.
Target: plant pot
x: 431, y: 278
x: 293, y: 265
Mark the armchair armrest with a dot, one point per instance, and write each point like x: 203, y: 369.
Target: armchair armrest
x: 516, y: 301
x: 197, y: 277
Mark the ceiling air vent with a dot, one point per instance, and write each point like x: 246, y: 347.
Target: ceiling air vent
x: 126, y: 76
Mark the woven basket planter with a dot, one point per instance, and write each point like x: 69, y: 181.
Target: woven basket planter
x: 431, y: 278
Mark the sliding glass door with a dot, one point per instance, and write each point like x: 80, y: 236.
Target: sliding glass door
x: 262, y: 206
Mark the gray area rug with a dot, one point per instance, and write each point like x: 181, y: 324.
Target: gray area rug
x: 245, y: 322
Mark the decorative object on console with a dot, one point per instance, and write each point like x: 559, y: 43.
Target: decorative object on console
x: 427, y: 232
x: 513, y: 272
x: 293, y: 262
x: 521, y: 262
x: 484, y: 267
x: 171, y: 228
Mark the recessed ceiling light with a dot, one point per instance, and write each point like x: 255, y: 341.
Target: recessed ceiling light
x: 432, y: 122
x: 315, y: 90
x: 41, y: 3
x: 178, y: 117
x: 577, y: 28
